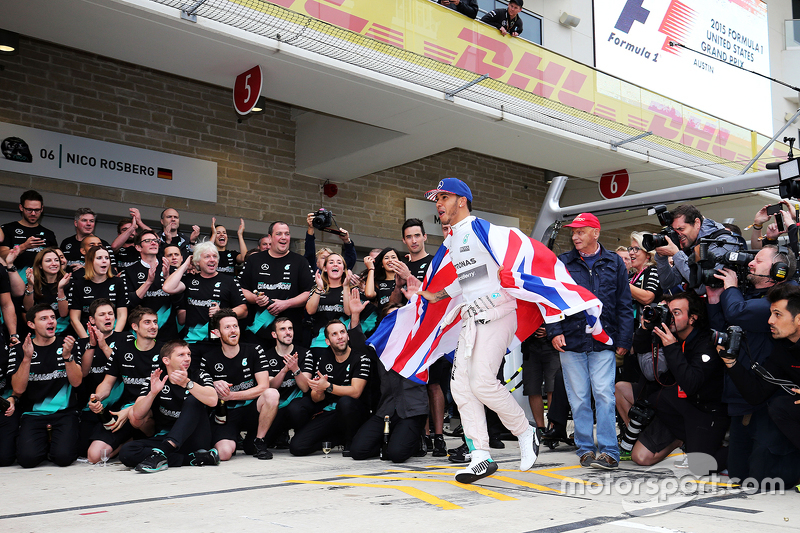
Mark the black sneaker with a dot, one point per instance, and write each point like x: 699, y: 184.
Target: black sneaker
x: 439, y: 446
x: 282, y: 442
x: 156, y: 462
x: 496, y: 443
x: 460, y: 454
x: 204, y: 458
x: 428, y: 442
x: 423, y: 448
x: 457, y: 432
x: 261, y: 450
x: 473, y: 473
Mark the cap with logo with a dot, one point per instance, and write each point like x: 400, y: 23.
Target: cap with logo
x: 584, y: 220
x: 451, y: 185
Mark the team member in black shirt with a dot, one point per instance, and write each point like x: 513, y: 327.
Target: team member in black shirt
x: 206, y: 292
x: 285, y: 362
x: 145, y: 280
x: 171, y: 235
x: 9, y: 419
x: 228, y: 259
x: 27, y: 233
x: 124, y: 245
x: 49, y: 371
x: 129, y: 361
x: 381, y: 276
x: 405, y: 402
x: 98, y: 281
x: 508, y: 20
x: 241, y: 379
x: 328, y: 299
x: 177, y: 398
x: 98, y: 349
x: 84, y: 227
x: 276, y: 282
x: 334, y: 401
x: 48, y: 284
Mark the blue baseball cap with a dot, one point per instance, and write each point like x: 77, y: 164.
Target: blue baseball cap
x: 451, y: 185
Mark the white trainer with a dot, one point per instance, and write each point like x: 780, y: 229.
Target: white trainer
x: 528, y: 448
x: 480, y: 467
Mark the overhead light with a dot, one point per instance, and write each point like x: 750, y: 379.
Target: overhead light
x: 9, y: 43
x: 260, y: 106
x: 569, y: 20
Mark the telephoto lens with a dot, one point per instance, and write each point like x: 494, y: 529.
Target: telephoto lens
x: 640, y: 415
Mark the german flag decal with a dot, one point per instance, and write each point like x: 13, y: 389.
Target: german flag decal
x: 165, y: 173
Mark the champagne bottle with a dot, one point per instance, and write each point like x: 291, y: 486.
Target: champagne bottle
x: 108, y: 420
x: 221, y: 413
x: 385, y: 447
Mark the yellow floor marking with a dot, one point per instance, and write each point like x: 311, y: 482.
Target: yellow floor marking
x: 411, y: 491
x: 479, y: 490
x: 524, y: 483
x: 548, y: 472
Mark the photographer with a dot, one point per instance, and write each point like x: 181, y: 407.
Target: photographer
x: 747, y: 308
x: 688, y: 403
x: 779, y: 450
x: 690, y: 226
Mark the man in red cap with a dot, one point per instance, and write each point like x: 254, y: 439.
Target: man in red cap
x: 589, y: 365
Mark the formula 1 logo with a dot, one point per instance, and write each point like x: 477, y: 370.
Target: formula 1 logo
x: 632, y: 12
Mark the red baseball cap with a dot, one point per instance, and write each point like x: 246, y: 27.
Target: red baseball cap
x: 584, y: 220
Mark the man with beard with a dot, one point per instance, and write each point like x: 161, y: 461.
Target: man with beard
x: 27, y: 233
x: 49, y: 371
x: 241, y: 379
x: 178, y: 399
x: 128, y: 369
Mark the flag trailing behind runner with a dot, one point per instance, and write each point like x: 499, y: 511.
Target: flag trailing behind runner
x: 409, y: 340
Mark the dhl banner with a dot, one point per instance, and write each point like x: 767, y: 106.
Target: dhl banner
x: 433, y: 31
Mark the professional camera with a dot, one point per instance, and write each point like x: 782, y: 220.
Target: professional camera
x: 323, y: 221
x: 789, y: 172
x: 731, y: 339
x: 702, y: 271
x: 651, y: 241
x: 655, y: 316
x: 640, y: 415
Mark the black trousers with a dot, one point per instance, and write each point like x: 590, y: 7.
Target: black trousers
x: 558, y: 412
x: 32, y: 445
x: 191, y: 432
x: 9, y: 431
x: 338, y: 425
x: 700, y: 431
x: 786, y: 415
x: 760, y: 450
x: 403, y: 438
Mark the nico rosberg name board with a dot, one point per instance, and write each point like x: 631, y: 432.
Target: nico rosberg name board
x: 68, y: 157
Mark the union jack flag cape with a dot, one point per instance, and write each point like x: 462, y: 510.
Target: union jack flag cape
x: 409, y: 340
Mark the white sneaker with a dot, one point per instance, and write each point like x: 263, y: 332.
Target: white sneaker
x: 480, y: 467
x: 528, y: 448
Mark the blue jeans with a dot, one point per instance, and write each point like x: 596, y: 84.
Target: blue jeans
x: 587, y: 374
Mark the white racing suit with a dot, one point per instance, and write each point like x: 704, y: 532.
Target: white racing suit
x: 489, y: 322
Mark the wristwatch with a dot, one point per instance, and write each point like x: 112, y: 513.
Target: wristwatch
x: 190, y: 385
x: 330, y: 388
x: 11, y: 268
x: 295, y: 374
x: 71, y: 358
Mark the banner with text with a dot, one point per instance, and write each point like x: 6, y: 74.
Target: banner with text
x: 632, y: 41
x: 68, y: 157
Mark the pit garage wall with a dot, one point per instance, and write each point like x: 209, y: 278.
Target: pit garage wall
x: 68, y: 91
